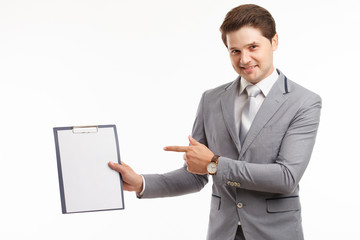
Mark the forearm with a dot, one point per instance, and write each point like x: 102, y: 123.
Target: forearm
x: 274, y: 178
x: 175, y: 183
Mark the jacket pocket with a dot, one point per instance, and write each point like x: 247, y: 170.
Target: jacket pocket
x: 215, y: 202
x: 284, y: 204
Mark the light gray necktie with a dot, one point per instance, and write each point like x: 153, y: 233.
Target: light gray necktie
x: 249, y: 111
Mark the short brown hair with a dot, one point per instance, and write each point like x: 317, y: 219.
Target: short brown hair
x: 248, y: 15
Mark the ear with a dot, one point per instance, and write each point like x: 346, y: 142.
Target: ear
x: 275, y: 42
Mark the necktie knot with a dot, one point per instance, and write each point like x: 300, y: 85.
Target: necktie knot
x: 252, y: 90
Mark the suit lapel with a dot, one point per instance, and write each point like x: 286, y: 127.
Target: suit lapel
x: 227, y: 107
x: 271, y: 104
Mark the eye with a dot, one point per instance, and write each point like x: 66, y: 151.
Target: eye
x: 253, y: 47
x: 234, y: 52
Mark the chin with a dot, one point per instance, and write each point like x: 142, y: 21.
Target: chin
x: 253, y: 81
x: 250, y: 78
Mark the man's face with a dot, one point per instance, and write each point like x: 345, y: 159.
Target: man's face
x: 251, y: 53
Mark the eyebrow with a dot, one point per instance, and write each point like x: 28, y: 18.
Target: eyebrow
x: 250, y: 44
x: 247, y: 45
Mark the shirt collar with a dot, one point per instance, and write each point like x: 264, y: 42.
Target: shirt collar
x: 265, y: 85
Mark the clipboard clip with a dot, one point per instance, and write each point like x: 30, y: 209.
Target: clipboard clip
x: 85, y: 129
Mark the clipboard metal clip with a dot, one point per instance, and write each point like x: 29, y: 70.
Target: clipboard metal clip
x: 84, y: 129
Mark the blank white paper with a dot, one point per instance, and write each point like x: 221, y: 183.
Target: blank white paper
x: 88, y: 182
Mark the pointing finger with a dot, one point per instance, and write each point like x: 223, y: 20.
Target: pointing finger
x: 176, y: 148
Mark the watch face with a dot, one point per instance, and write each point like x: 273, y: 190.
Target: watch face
x: 212, y: 167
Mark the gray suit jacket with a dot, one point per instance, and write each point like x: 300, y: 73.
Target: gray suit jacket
x: 256, y: 183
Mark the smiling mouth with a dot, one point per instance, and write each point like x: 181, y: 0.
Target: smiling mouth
x: 248, y: 67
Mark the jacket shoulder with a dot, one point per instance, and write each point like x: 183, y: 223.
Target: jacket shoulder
x: 301, y: 92
x: 215, y: 92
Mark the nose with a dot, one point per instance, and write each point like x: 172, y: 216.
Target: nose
x: 245, y: 58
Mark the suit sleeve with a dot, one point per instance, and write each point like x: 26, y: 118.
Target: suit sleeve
x: 283, y: 175
x: 180, y: 181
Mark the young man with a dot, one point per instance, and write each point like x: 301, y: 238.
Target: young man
x: 254, y: 136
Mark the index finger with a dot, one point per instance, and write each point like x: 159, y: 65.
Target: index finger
x: 176, y: 148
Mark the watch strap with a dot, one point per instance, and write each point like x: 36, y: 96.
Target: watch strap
x: 215, y: 159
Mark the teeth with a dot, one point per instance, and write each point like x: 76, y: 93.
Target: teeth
x: 249, y: 67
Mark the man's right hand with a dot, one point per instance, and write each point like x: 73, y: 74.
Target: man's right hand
x: 131, y: 180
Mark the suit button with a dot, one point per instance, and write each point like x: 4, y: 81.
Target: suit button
x: 239, y: 205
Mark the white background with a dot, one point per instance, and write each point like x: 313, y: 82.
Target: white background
x: 143, y: 66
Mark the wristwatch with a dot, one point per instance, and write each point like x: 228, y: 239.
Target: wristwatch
x: 212, y: 166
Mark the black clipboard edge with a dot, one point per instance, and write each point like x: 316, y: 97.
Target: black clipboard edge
x: 58, y: 160
x: 119, y: 161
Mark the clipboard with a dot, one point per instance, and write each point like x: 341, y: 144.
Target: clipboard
x: 86, y: 182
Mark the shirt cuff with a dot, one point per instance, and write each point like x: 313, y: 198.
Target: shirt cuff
x: 139, y: 195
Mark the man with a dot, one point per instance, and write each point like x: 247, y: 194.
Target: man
x: 254, y: 136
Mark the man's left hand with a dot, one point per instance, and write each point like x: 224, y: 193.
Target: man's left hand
x: 197, y: 156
